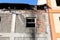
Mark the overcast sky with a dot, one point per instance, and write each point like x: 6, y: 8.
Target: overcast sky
x: 33, y: 2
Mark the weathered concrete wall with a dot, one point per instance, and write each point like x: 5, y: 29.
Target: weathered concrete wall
x: 20, y: 27
x: 5, y: 24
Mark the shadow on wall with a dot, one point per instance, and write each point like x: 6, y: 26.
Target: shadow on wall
x: 23, y: 6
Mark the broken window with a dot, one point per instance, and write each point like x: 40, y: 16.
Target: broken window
x: 30, y: 22
x: 58, y: 2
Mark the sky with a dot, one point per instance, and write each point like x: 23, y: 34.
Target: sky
x: 31, y: 2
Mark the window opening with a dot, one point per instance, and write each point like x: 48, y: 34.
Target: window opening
x: 30, y: 22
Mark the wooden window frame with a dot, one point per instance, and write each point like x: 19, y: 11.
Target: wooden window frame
x: 54, y: 35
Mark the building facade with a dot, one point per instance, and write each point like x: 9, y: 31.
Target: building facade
x: 54, y: 15
x: 31, y: 24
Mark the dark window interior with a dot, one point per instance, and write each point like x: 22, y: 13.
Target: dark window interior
x: 30, y: 25
x: 30, y: 22
x: 58, y: 2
